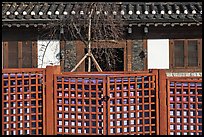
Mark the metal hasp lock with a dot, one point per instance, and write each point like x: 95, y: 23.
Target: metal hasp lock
x: 105, y: 98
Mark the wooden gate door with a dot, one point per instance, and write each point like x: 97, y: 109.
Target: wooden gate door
x: 23, y: 99
x: 106, y: 104
x: 184, y: 105
x: 78, y: 104
x: 133, y: 104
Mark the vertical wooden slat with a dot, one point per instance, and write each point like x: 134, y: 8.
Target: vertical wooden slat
x: 5, y: 54
x: 76, y: 107
x: 129, y: 55
x: 49, y: 119
x: 162, y: 102
x: 34, y: 54
x: 143, y: 115
x: 83, y: 91
x: 9, y: 101
x: 29, y: 107
x: 43, y: 104
x: 168, y: 107
x: 20, y: 44
x: 122, y: 99
x: 54, y: 109
x: 106, y: 106
x: 155, y: 85
x: 2, y: 104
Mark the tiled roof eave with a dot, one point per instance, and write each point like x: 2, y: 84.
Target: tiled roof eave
x: 127, y: 10
x: 126, y: 20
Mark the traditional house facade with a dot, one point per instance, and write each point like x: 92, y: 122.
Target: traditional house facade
x: 179, y: 23
x: 154, y: 88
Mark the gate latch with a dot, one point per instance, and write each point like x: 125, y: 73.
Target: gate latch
x: 105, y: 98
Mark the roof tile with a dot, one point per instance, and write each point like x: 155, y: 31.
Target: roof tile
x: 134, y: 11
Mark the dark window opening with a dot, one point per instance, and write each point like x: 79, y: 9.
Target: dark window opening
x: 192, y: 53
x: 13, y: 54
x: 186, y: 54
x: 19, y: 54
x: 179, y: 53
x: 109, y: 59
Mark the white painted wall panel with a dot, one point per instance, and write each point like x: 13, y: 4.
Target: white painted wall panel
x: 158, y: 53
x: 51, y: 50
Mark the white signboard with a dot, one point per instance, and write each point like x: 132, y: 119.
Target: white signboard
x: 158, y: 53
x: 48, y: 53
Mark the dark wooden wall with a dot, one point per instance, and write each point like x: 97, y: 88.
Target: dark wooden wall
x: 166, y: 32
x: 159, y: 32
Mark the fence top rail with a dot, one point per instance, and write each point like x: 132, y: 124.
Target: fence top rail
x: 102, y: 75
x: 22, y: 70
x: 105, y: 72
x: 184, y: 79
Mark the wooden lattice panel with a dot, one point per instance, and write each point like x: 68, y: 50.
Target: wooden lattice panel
x: 79, y: 106
x: 22, y: 103
x: 185, y: 107
x: 132, y: 105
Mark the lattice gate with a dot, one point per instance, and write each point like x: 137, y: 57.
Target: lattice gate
x: 104, y: 104
x: 23, y: 101
x: 184, y: 106
x: 79, y: 106
x: 132, y: 108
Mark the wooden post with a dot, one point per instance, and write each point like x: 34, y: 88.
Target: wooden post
x: 162, y: 102
x: 129, y: 55
x: 34, y: 54
x: 49, y: 99
x: 5, y: 55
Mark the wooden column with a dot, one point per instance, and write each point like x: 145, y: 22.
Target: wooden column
x: 129, y: 55
x: 171, y: 54
x: 5, y: 54
x: 162, y: 84
x: 49, y: 99
x: 34, y: 54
